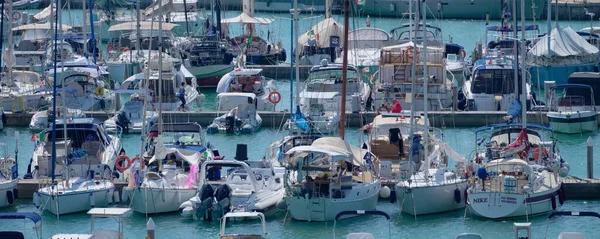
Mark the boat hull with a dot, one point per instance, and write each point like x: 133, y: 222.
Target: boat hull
x: 428, y: 200
x: 325, y: 209
x: 5, y: 187
x: 573, y: 122
x: 158, y: 200
x: 209, y: 76
x: 505, y: 205
x: 74, y: 201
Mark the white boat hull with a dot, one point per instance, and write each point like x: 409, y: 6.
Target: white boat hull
x: 75, y: 201
x: 325, y: 209
x: 9, y: 185
x: 158, y: 200
x: 430, y: 199
x: 573, y: 122
x: 505, y: 205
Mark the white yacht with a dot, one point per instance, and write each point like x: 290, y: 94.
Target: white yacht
x: 174, y: 153
x: 572, y: 109
x: 244, y: 186
x: 250, y: 81
x: 129, y: 119
x: 516, y: 172
x: 40, y: 120
x: 321, y: 179
x: 85, y: 140
x: 241, y: 117
x: 73, y: 195
x: 8, y: 179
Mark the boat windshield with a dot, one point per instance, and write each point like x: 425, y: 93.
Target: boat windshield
x: 574, y: 96
x: 493, y: 81
x: 330, y: 76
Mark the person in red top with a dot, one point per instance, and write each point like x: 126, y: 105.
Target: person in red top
x: 397, y: 107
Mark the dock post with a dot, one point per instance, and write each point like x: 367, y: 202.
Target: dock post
x: 150, y: 229
x: 590, y: 158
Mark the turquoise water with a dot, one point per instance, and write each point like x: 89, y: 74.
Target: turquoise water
x: 445, y: 225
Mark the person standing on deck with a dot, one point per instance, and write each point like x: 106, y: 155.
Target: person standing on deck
x: 181, y: 96
x: 397, y: 107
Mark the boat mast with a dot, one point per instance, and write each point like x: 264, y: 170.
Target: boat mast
x: 515, y: 49
x: 93, y: 36
x: 344, y: 68
x: 523, y: 72
x: 138, y: 32
x: 426, y: 90
x: 297, y: 51
x: 160, y: 73
x: 413, y: 75
x: 549, y: 23
x: 187, y: 26
x: 9, y: 51
x: 62, y: 81
x: 292, y: 60
x: 54, y: 95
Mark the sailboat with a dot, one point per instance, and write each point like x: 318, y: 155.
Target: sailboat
x: 78, y: 192
x: 9, y: 173
x: 516, y: 171
x: 257, y: 50
x: 330, y: 175
x: 433, y: 187
x: 173, y: 153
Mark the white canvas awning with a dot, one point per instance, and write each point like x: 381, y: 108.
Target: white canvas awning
x: 322, y: 32
x: 244, y: 18
x: 144, y: 25
x: 40, y: 26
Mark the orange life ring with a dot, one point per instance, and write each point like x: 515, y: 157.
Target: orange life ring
x: 125, y: 49
x: 17, y: 17
x: 274, y: 97
x: 463, y: 53
x: 121, y: 167
x: 536, y: 153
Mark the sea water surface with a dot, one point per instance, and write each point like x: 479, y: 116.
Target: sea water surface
x: 445, y: 225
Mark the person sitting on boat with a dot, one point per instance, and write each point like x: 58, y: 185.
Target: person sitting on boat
x: 181, y: 96
x: 123, y: 121
x: 395, y: 137
x: 397, y: 107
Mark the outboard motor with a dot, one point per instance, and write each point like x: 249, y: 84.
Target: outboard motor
x: 206, y: 201
x: 230, y: 122
x: 223, y: 200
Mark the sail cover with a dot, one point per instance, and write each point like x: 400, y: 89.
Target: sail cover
x: 246, y: 19
x: 563, y: 43
x: 322, y: 33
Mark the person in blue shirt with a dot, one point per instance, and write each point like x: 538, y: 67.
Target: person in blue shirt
x: 181, y: 96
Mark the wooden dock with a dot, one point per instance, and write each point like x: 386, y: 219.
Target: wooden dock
x: 575, y: 188
x: 439, y: 119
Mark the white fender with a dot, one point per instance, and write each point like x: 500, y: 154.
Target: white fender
x: 109, y: 196
x: 116, y: 197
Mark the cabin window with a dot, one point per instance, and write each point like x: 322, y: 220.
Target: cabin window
x: 493, y: 81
